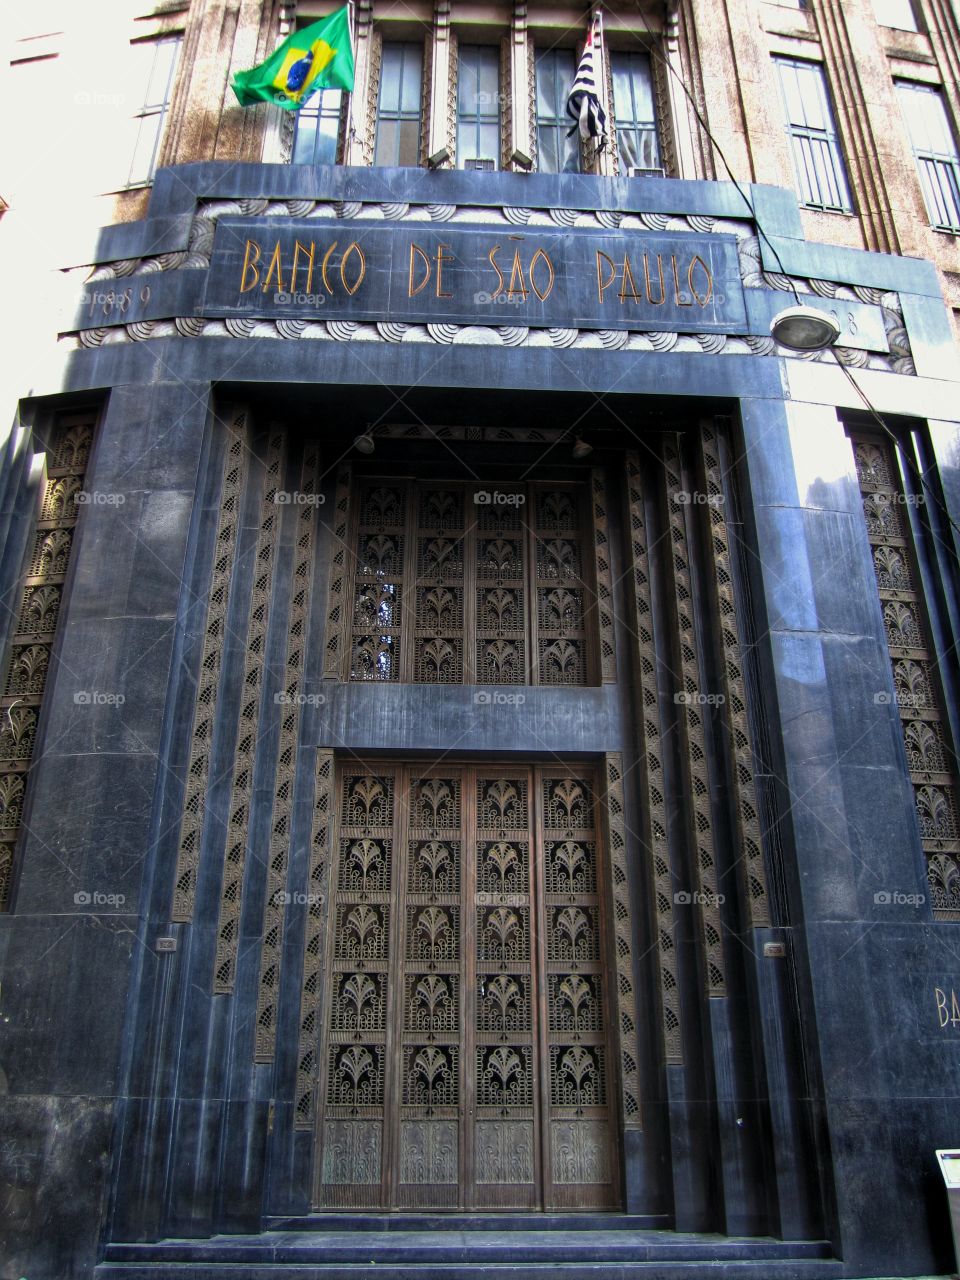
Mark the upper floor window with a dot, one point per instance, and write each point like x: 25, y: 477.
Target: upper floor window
x: 556, y: 153
x: 399, y: 105
x: 896, y: 13
x: 935, y: 149
x: 634, y: 113
x: 318, y: 128
x: 161, y: 65
x: 821, y: 176
x: 478, y: 107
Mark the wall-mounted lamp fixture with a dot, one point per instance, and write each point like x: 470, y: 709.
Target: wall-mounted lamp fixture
x: 804, y: 328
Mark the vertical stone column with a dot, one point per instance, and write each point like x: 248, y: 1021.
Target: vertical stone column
x: 355, y: 151
x: 677, y: 136
x: 441, y: 103
x: 519, y: 150
x: 869, y: 122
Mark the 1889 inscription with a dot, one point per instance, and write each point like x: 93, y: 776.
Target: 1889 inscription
x: 541, y: 277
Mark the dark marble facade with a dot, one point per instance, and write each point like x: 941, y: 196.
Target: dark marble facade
x: 131, y: 1106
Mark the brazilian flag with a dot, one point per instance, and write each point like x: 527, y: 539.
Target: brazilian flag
x: 318, y: 57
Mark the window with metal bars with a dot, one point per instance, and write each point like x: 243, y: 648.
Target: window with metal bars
x: 556, y: 152
x: 461, y: 584
x: 317, y: 128
x: 478, y: 107
x: 161, y: 56
x: 634, y: 112
x: 935, y: 149
x: 818, y: 160
x: 399, y: 106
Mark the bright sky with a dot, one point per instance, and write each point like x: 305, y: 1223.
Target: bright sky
x: 68, y: 138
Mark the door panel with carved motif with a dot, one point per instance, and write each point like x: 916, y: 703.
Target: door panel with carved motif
x: 465, y: 1060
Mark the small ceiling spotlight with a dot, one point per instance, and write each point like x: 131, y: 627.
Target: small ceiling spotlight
x: 581, y: 449
x: 804, y: 328
x: 364, y: 442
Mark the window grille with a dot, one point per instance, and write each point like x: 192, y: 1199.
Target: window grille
x: 935, y: 150
x: 821, y: 175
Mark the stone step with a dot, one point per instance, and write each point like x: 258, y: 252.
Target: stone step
x: 742, y: 1269
x: 443, y: 1254
x: 364, y: 1220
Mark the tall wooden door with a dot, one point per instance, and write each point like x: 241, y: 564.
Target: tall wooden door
x: 465, y: 1062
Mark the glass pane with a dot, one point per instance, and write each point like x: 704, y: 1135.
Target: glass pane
x: 555, y: 72
x: 158, y: 86
x: 326, y: 143
x: 304, y: 139
x: 571, y: 152
x: 635, y: 88
x: 490, y: 143
x: 791, y: 93
x: 648, y: 148
x: 896, y: 13
x: 545, y: 85
x: 622, y: 97
x: 390, y: 77
x: 489, y: 73
x: 467, y: 80
x: 409, y: 149
x: 629, y: 154
x: 548, y: 153
x: 412, y: 77
x: 813, y: 97
x: 145, y: 149
x: 385, y: 152
x: 466, y: 142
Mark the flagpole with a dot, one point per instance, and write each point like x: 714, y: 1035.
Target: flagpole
x: 600, y: 55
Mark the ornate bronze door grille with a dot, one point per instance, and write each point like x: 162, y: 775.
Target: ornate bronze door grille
x: 455, y: 583
x: 465, y: 1060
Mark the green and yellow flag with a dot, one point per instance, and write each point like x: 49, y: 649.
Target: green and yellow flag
x: 318, y: 57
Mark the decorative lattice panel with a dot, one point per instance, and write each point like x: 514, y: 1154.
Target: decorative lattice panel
x: 625, y: 992
x: 314, y: 952
x: 654, y: 810
x: 747, y: 822
x: 463, y: 584
x: 238, y: 821
x: 603, y: 598
x: 692, y: 700
x: 28, y: 658
x: 919, y: 693
x: 235, y: 463
x: 283, y: 788
x: 342, y: 571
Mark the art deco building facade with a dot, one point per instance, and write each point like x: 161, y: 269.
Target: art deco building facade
x: 479, y: 715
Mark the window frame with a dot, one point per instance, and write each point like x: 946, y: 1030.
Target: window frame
x: 479, y: 118
x: 809, y: 142
x: 315, y: 108
x: 158, y: 110
x: 898, y: 26
x: 400, y: 115
x: 559, y: 122
x: 930, y: 162
x: 634, y: 125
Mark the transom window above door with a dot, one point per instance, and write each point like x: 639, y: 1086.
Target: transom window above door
x: 471, y: 584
